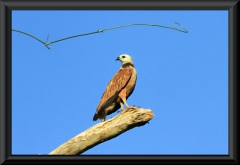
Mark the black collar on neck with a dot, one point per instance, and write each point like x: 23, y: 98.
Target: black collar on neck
x: 127, y: 65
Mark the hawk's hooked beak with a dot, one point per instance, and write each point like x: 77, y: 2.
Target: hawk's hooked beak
x: 117, y: 58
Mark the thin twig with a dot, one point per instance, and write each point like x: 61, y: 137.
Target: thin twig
x: 71, y: 37
x: 44, y: 43
x: 102, y: 30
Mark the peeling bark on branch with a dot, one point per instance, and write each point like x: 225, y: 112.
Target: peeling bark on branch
x: 101, y: 132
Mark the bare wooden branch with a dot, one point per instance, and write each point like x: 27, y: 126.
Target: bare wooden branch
x: 101, y: 132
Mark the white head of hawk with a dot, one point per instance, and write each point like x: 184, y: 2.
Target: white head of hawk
x: 118, y: 89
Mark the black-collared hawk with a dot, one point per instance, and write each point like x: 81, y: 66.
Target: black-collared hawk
x: 118, y: 89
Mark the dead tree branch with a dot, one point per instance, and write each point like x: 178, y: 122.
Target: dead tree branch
x: 101, y: 132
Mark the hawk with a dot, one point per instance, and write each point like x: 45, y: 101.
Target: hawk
x: 118, y: 89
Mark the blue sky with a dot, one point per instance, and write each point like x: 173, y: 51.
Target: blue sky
x: 182, y: 78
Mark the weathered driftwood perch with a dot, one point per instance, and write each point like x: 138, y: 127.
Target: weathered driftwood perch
x: 101, y: 132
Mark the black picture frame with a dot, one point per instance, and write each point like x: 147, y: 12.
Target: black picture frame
x: 6, y: 7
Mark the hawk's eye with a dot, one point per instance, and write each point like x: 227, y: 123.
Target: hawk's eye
x: 123, y: 56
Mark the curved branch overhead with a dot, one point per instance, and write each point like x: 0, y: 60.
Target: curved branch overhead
x: 102, y: 30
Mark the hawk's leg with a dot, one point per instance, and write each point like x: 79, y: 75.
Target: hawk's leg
x: 125, y: 102
x: 123, y: 95
x: 122, y: 107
